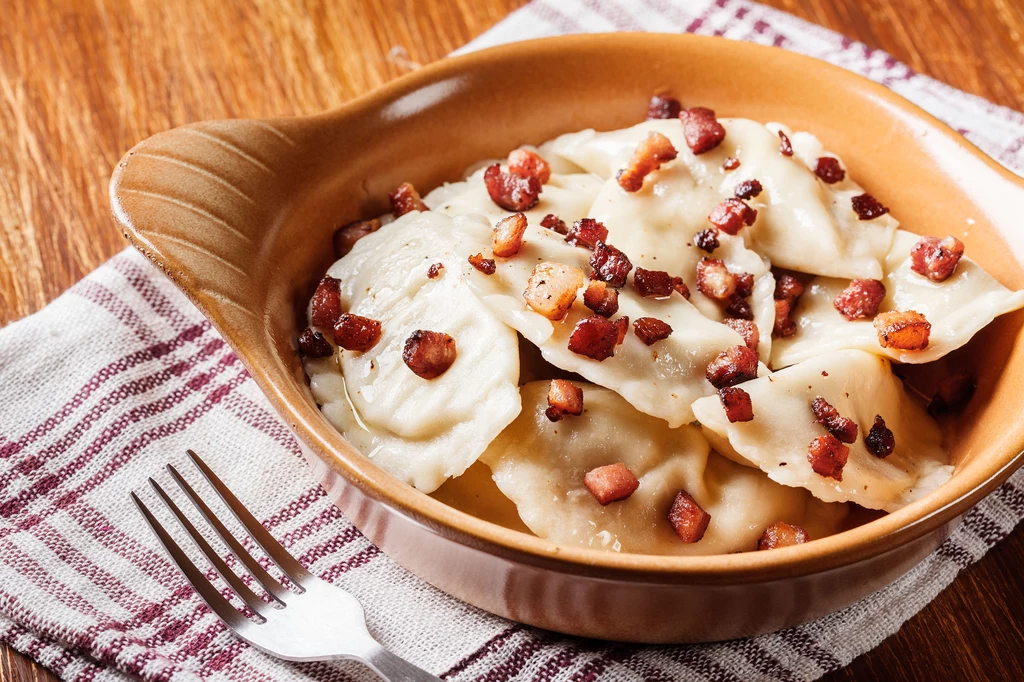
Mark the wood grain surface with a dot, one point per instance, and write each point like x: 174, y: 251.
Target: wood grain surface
x: 81, y: 82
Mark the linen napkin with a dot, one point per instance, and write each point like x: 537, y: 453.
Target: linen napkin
x: 120, y: 374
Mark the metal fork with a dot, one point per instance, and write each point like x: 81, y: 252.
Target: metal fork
x: 316, y: 622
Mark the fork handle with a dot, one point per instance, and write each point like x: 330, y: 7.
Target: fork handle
x: 394, y: 668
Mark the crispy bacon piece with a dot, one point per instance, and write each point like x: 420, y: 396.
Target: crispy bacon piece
x: 707, y: 240
x: 744, y: 284
x: 714, y: 279
x: 564, y: 398
x: 428, y: 354
x: 601, y: 298
x: 650, y: 330
x: 484, y: 265
x: 747, y: 329
x: 737, y: 404
x: 739, y: 307
x: 405, y: 199
x: 524, y: 163
x: 610, y: 265
x: 781, y: 534
x: 653, y: 150
x: 326, y: 306
x: 510, y: 191
x: 355, y: 332
x: 843, y: 428
x: 903, y: 330
x: 553, y: 222
x: 829, y: 170
x: 587, y: 232
x: 880, y: 442
x: 952, y: 393
x: 658, y: 283
x: 828, y: 456
x: 784, y: 324
x: 508, y: 235
x: 551, y: 289
x: 701, y: 129
x: 731, y: 215
x: 788, y: 288
x: 346, y: 236
x: 860, y: 298
x: 687, y: 517
x: 313, y: 344
x: 434, y: 271
x: 785, y: 146
x: 621, y: 327
x: 748, y: 189
x: 611, y: 483
x: 936, y: 258
x: 867, y: 207
x: 663, y: 108
x: 731, y: 163
x: 732, y: 366
x: 594, y: 337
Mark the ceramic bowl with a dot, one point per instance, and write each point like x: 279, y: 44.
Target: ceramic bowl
x: 239, y: 214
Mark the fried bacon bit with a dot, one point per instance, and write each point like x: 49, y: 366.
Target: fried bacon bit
x: 828, y: 456
x: 405, y: 199
x: 663, y: 108
x: 326, y: 306
x: 860, y: 298
x: 507, y: 238
x: 747, y: 329
x: 744, y: 284
x: 435, y: 270
x: 748, y: 189
x: 936, y: 258
x: 553, y: 222
x: 903, y: 330
x: 952, y: 393
x: 610, y: 265
x: 731, y: 215
x: 346, y: 236
x: 658, y: 284
x: 650, y: 330
x: 788, y: 288
x: 732, y: 366
x: 730, y: 164
x: 880, y: 442
x: 714, y: 279
x: 524, y: 163
x: 784, y: 324
x: 739, y: 307
x: 621, y: 327
x: 843, y: 428
x: 701, y: 129
x: 653, y: 150
x: 687, y: 517
x: 587, y: 232
x: 594, y: 337
x: 829, y: 170
x: 484, y: 265
x: 785, y: 146
x: 601, y: 298
x: 355, y: 332
x: 707, y: 240
x: 611, y: 483
x: 510, y: 191
x: 867, y: 207
x: 564, y: 398
x: 781, y: 534
x: 429, y: 354
x: 551, y: 289
x: 737, y: 404
x: 313, y: 344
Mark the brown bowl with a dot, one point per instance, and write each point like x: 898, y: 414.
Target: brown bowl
x: 239, y: 214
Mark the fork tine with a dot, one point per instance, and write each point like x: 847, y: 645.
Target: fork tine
x: 278, y: 554
x: 276, y: 590
x: 240, y: 588
x: 209, y: 594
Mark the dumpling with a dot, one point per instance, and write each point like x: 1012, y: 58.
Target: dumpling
x: 421, y: 431
x: 957, y: 309
x: 859, y: 386
x: 803, y: 223
x: 541, y: 465
x: 661, y: 380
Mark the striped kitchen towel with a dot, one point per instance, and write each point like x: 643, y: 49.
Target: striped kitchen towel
x: 121, y: 374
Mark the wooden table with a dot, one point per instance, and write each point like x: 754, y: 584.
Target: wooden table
x: 81, y: 82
